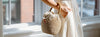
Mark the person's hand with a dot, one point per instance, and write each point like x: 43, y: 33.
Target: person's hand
x: 64, y: 10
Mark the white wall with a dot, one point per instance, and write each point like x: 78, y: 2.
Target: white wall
x: 1, y: 20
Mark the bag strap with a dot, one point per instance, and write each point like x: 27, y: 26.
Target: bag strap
x: 59, y: 11
x: 59, y: 5
x: 50, y: 9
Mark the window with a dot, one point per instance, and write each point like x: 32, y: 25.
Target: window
x: 18, y: 11
x: 23, y: 11
x: 89, y: 8
x: 11, y: 11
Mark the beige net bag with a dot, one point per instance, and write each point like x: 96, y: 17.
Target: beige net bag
x: 51, y: 22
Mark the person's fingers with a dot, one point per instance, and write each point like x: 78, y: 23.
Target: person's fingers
x: 64, y: 14
x: 69, y: 9
x: 63, y: 9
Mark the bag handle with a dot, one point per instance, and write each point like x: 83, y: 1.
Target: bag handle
x: 59, y: 5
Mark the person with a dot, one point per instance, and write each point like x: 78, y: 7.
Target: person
x: 71, y: 24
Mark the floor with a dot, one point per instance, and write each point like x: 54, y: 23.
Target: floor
x: 24, y: 30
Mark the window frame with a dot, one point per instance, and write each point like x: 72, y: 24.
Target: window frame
x: 1, y: 19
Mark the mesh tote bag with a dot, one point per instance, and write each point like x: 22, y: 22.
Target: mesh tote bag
x: 51, y: 22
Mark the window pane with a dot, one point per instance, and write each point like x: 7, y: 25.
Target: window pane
x: 5, y: 11
x: 88, y: 7
x: 15, y: 11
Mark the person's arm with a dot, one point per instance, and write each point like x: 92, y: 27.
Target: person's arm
x: 52, y: 3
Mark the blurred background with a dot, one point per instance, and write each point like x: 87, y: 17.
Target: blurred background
x: 23, y: 17
x: 26, y: 11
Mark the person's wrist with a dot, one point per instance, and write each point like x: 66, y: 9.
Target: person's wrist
x: 57, y: 6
